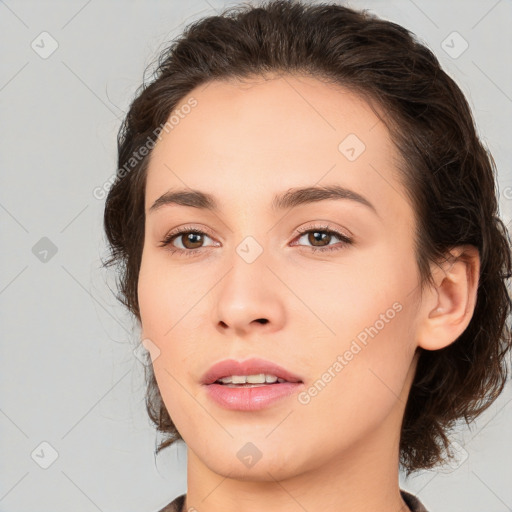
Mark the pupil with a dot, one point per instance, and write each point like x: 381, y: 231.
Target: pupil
x: 315, y: 237
x: 190, y: 239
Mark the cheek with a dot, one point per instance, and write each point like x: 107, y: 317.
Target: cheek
x: 169, y: 320
x: 357, y: 385
x: 369, y: 310
x: 161, y: 309
x: 354, y: 293
x: 160, y: 297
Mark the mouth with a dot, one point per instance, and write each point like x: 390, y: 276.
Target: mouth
x: 250, y: 381
x: 250, y: 373
x: 251, y: 385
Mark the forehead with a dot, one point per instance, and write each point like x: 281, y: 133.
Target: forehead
x: 265, y: 135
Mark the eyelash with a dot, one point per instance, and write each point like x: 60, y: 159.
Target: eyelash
x: 167, y: 241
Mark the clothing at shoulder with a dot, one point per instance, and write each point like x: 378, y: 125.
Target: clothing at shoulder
x: 176, y: 505
x: 412, y: 502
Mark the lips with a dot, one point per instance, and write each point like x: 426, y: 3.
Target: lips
x: 252, y: 366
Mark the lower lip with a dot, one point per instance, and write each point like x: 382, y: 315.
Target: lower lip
x: 251, y: 399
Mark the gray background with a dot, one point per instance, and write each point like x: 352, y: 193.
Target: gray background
x: 68, y: 374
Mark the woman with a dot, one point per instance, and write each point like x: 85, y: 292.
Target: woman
x: 306, y: 226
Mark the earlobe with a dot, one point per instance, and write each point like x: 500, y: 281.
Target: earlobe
x: 448, y: 307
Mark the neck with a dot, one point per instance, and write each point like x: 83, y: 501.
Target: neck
x: 363, y: 478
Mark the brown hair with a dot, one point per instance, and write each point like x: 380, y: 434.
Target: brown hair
x: 449, y: 177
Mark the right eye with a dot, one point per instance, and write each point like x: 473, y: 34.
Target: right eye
x: 190, y: 244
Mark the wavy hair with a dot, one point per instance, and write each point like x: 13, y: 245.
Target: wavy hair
x: 450, y: 178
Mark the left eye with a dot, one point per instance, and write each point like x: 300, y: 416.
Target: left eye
x: 323, y: 235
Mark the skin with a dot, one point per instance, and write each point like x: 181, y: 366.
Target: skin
x: 243, y: 143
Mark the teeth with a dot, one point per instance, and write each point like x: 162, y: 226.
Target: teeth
x: 261, y: 378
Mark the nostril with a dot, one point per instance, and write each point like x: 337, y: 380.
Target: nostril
x: 262, y: 320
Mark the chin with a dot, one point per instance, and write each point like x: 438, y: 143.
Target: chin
x: 246, y: 460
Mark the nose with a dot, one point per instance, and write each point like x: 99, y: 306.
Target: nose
x: 249, y: 298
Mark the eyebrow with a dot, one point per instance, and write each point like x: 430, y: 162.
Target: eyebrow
x: 289, y: 199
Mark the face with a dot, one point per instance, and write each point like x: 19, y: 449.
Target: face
x: 325, y: 288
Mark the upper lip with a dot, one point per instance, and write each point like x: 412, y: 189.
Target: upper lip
x: 252, y: 366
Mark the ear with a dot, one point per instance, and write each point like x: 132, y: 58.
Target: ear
x: 447, y: 308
